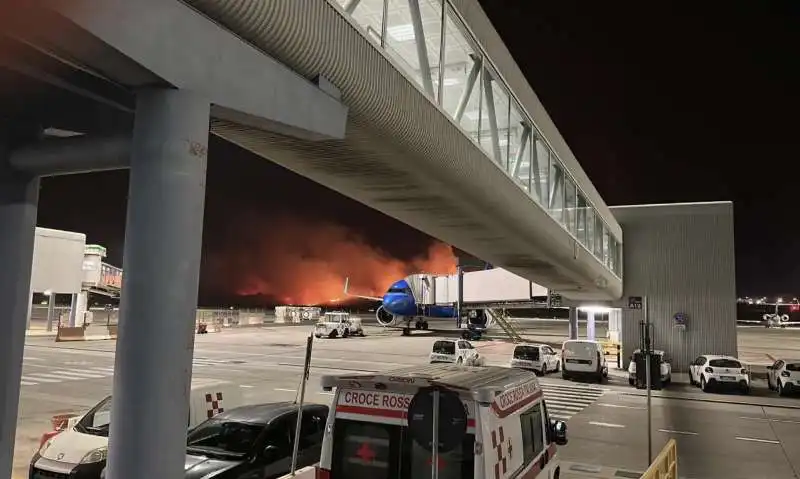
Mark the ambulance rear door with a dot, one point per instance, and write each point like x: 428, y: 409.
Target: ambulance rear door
x: 367, y: 438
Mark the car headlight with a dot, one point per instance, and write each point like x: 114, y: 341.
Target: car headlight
x: 97, y: 455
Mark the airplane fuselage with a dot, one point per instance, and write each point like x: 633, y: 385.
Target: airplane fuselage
x: 399, y: 301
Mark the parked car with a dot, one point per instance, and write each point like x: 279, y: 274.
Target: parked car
x: 338, y: 324
x: 711, y: 370
x: 784, y: 376
x: 539, y: 358
x: 254, y: 441
x: 583, y: 358
x: 456, y: 351
x: 666, y: 367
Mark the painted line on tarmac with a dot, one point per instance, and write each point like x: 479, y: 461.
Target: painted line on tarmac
x: 246, y: 386
x: 711, y: 400
x: 286, y: 390
x: 785, y: 421
x: 621, y: 406
x: 684, y: 433
x: 606, y: 424
x: 753, y: 439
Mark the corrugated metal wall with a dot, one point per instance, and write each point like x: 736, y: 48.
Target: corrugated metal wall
x: 681, y: 257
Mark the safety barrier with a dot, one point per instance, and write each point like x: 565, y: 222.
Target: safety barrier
x: 665, y: 465
x: 610, y: 347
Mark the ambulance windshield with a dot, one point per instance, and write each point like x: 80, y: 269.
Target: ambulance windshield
x: 368, y: 450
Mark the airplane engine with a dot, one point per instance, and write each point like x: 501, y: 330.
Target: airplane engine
x: 385, y: 318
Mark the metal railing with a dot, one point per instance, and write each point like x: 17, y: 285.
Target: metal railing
x: 665, y: 465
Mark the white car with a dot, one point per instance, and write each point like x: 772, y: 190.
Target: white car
x: 338, y: 324
x: 456, y: 351
x: 784, y: 376
x: 710, y: 370
x: 539, y: 358
x: 666, y: 368
x: 582, y: 358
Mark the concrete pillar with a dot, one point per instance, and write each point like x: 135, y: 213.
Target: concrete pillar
x: 78, y: 309
x: 19, y: 198
x: 590, y: 326
x: 614, y: 324
x: 51, y: 310
x: 163, y: 236
x: 573, y: 323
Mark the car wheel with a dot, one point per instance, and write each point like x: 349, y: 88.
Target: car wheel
x: 780, y: 389
x: 769, y: 383
x: 703, y: 384
x: 631, y: 381
x: 558, y: 366
x: 460, y: 361
x: 317, y: 336
x: 333, y: 334
x: 544, y: 370
x: 564, y: 375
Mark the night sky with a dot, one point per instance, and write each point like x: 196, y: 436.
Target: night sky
x: 678, y: 103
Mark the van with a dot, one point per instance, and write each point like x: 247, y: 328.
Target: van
x: 81, y: 447
x: 583, y: 359
x: 503, y: 430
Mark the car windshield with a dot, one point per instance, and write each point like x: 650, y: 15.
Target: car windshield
x: 725, y: 363
x: 97, y: 420
x: 528, y: 353
x: 224, y: 436
x: 793, y: 367
x: 444, y: 347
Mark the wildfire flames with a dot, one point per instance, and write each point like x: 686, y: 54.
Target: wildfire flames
x: 303, y: 264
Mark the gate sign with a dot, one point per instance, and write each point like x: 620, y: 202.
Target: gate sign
x: 634, y: 302
x: 680, y: 320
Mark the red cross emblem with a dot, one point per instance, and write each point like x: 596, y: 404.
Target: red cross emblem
x: 365, y: 453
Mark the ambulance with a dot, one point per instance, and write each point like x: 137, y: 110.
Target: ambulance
x: 80, y: 447
x: 507, y: 432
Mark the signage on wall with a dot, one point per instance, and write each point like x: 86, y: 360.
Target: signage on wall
x: 555, y: 300
x: 634, y: 302
x: 680, y: 320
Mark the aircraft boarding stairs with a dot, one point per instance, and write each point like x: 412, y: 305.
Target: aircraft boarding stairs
x: 502, y: 319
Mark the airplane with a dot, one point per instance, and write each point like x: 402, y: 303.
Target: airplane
x: 769, y: 315
x: 399, y: 309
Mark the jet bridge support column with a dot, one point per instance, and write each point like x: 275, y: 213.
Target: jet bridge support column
x: 590, y: 321
x: 573, y: 322
x: 19, y: 199
x: 163, y: 235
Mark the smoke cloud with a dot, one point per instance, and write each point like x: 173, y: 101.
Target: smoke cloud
x: 297, y: 262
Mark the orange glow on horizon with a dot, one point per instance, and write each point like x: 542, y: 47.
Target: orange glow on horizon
x: 297, y: 263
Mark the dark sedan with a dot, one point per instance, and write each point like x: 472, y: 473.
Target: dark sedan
x: 255, y: 441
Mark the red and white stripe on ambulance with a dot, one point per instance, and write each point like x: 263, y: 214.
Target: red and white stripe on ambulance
x: 383, y: 407
x: 515, y: 454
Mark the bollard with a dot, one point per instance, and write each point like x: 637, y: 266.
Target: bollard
x: 619, y: 358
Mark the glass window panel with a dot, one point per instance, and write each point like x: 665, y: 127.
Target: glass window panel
x: 580, y: 227
x: 541, y: 172
x: 605, y: 246
x: 590, y: 229
x: 494, y: 119
x: 519, y: 148
x: 619, y: 259
x: 461, y: 96
x: 598, y: 236
x: 570, y: 201
x: 368, y: 14
x: 556, y: 190
x: 413, y: 38
x: 612, y: 255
